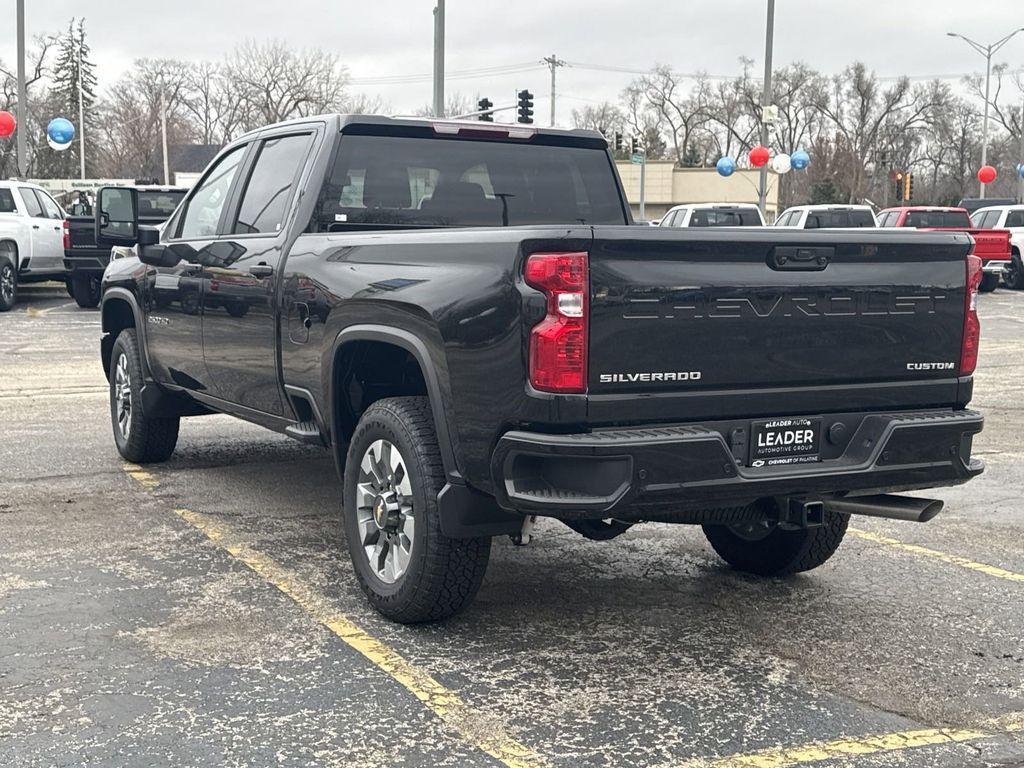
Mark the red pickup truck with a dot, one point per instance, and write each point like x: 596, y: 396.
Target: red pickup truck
x: 992, y: 246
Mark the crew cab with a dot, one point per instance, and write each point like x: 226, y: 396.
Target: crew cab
x: 30, y: 238
x: 713, y: 215
x: 464, y: 315
x: 826, y: 217
x: 1009, y: 217
x: 85, y: 261
x: 992, y: 246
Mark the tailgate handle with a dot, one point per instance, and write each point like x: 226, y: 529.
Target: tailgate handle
x: 801, y: 258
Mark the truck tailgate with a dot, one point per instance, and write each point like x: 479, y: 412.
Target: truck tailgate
x: 690, y: 312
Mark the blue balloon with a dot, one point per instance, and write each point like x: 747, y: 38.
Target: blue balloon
x: 1020, y: 170
x: 799, y: 160
x: 725, y: 166
x: 60, y: 130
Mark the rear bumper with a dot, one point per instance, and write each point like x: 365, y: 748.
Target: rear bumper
x: 654, y: 473
x: 91, y: 263
x: 995, y: 266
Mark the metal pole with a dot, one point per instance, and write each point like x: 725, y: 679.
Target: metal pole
x: 643, y: 186
x: 1020, y: 176
x: 553, y: 63
x: 163, y: 133
x: 439, y: 59
x: 22, y: 95
x: 766, y: 100
x: 984, y: 122
x: 81, y: 113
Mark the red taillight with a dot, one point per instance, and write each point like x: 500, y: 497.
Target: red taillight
x: 67, y: 234
x: 558, y: 343
x: 972, y: 325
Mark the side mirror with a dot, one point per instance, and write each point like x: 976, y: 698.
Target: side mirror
x: 117, y: 216
x: 153, y: 252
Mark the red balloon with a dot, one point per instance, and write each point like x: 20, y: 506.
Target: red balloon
x: 7, y: 124
x: 986, y: 174
x: 759, y: 156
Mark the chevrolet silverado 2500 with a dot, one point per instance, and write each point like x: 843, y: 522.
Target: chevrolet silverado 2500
x: 464, y: 314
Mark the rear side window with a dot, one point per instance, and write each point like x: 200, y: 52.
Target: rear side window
x: 937, y: 219
x: 265, y: 201
x: 32, y: 206
x: 403, y: 181
x: 7, y: 204
x: 158, y: 205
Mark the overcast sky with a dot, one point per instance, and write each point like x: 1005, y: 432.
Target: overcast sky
x: 389, y: 38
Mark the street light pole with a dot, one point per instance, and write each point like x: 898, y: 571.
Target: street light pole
x: 439, y: 59
x: 81, y: 111
x: 22, y: 94
x: 766, y: 100
x: 987, y: 51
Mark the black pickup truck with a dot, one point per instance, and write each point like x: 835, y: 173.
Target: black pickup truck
x: 465, y: 316
x: 84, y: 260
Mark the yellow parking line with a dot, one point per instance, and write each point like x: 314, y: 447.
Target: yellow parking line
x: 840, y: 748
x: 476, y: 728
x: 963, y: 562
x: 36, y: 312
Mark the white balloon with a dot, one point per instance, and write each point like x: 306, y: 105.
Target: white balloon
x: 782, y: 163
x: 55, y: 146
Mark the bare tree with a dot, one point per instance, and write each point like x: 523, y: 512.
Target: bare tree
x: 37, y: 70
x: 678, y: 113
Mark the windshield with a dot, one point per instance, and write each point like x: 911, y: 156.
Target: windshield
x: 158, y: 205
x: 429, y: 182
x: 937, y: 219
x: 717, y: 217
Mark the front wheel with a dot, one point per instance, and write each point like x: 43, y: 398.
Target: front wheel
x: 764, y: 548
x: 139, y: 437
x: 8, y: 283
x: 85, y: 290
x: 989, y: 282
x: 409, y: 570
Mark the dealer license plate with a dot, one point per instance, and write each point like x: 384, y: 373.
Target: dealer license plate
x: 784, y: 441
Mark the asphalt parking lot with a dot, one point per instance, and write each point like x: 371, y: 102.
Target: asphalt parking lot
x: 203, y: 611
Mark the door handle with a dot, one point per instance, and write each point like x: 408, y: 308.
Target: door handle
x: 56, y: 229
x: 261, y: 270
x: 35, y: 226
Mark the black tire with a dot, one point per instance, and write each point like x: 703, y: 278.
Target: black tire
x: 989, y: 283
x: 769, y: 550
x: 442, y: 575
x: 142, y: 439
x: 8, y: 282
x: 1014, y: 274
x: 85, y: 290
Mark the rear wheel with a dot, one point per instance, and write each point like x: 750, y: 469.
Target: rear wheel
x: 139, y: 437
x: 764, y: 548
x: 85, y: 290
x: 989, y: 283
x: 1014, y: 274
x: 8, y: 282
x: 408, y: 569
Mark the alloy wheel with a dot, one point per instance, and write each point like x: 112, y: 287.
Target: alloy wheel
x: 7, y: 282
x: 384, y: 511
x: 123, y: 395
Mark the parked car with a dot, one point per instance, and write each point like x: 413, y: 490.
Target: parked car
x: 992, y: 246
x: 1009, y: 217
x: 713, y: 215
x: 827, y: 217
x: 85, y: 261
x: 30, y: 238
x: 464, y: 316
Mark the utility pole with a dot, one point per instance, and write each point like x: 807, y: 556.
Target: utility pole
x: 439, y: 59
x: 766, y: 100
x: 1020, y: 172
x: 22, y: 95
x: 553, y: 63
x: 987, y: 51
x: 81, y: 110
x: 163, y: 133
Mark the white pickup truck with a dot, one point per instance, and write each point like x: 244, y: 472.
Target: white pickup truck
x: 31, y: 238
x: 1009, y: 217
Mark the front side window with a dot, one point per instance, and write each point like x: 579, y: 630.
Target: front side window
x: 32, y: 206
x: 204, y: 210
x: 270, y: 184
x: 425, y: 181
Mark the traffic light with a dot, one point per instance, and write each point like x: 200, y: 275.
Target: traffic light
x: 525, y: 107
x: 908, y: 186
x: 898, y: 180
x: 482, y: 106
x: 635, y: 146
x: 618, y: 141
